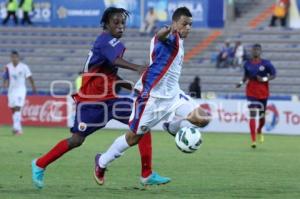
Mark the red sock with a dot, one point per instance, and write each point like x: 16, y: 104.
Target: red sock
x: 57, y: 151
x: 252, y: 129
x: 261, y: 124
x: 145, y: 147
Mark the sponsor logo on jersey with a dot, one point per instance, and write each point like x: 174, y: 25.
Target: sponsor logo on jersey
x: 82, y: 126
x: 262, y: 68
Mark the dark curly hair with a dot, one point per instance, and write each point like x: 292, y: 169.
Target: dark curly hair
x: 109, y: 12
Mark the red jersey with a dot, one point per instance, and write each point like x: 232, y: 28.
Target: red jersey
x: 100, y: 74
x: 262, y: 68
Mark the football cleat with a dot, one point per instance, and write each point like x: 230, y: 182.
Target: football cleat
x: 98, y: 171
x: 37, y: 175
x: 154, y: 179
x: 261, y: 138
x: 253, y: 145
x: 166, y: 128
x: 17, y: 132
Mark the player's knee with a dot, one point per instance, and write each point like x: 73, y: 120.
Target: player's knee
x: 199, y: 117
x: 76, y: 141
x: 132, y: 138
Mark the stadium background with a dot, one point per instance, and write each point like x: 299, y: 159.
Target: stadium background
x: 57, y: 46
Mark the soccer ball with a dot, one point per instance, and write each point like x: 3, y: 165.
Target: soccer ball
x: 188, y: 139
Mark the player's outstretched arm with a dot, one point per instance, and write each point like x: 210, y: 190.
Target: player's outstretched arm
x: 32, y: 84
x: 122, y: 63
x: 163, y: 33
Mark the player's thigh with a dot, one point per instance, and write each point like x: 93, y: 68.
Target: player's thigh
x: 146, y: 113
x: 16, y: 100
x: 121, y: 109
x: 256, y: 106
x: 90, y: 117
x: 184, y: 105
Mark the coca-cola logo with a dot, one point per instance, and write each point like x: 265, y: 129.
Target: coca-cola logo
x: 47, y: 111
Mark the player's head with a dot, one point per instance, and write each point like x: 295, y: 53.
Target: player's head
x: 182, y: 21
x: 256, y: 50
x: 114, y: 20
x: 14, y: 57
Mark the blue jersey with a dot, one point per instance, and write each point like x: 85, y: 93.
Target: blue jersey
x: 105, y: 51
x: 100, y: 73
x: 262, y: 68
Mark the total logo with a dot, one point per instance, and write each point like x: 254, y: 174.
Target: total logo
x: 272, y: 117
x: 207, y: 109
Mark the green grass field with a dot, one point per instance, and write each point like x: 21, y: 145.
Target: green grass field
x: 225, y: 167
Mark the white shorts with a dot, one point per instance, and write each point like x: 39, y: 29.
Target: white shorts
x: 147, y: 112
x: 16, y: 100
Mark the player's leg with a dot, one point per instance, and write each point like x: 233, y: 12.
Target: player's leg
x: 122, y: 112
x: 262, y: 120
x: 141, y: 121
x: 16, y: 118
x: 118, y: 147
x: 63, y: 146
x: 252, y: 125
x: 188, y: 113
x: 85, y: 115
x: 15, y: 101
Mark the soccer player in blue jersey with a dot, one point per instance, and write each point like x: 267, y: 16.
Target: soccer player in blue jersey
x: 159, y: 92
x: 97, y: 102
x: 258, y: 73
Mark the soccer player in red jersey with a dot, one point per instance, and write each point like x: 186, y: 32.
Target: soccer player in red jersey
x: 258, y: 73
x: 97, y: 102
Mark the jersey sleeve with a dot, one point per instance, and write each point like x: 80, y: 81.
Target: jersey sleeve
x: 172, y: 40
x: 5, y: 74
x: 271, y: 69
x: 27, y: 71
x: 246, y: 73
x: 111, y: 52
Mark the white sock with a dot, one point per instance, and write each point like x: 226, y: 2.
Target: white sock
x: 115, y: 150
x: 174, y: 126
x: 18, y: 125
x: 17, y: 121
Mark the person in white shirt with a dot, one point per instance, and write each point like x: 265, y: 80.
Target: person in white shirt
x: 149, y: 22
x: 238, y: 54
x: 15, y: 76
x: 159, y: 95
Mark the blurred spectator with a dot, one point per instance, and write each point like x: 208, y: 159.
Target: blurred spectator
x: 11, y: 10
x: 225, y: 56
x: 238, y: 54
x: 148, y: 26
x: 195, y: 88
x: 280, y: 12
x: 27, y: 7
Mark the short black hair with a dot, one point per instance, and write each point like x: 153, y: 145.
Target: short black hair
x: 257, y: 46
x: 14, y: 52
x: 182, y: 11
x: 109, y: 12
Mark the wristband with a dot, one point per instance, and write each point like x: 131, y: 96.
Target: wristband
x: 265, y: 79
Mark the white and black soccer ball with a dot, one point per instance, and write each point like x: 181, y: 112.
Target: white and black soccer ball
x: 188, y: 139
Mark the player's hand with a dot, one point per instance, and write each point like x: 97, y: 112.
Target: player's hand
x: 261, y: 79
x: 238, y: 85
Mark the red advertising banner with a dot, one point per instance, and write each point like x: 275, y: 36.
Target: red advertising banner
x: 37, y: 111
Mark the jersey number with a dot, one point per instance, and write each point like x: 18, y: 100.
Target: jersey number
x: 86, y: 65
